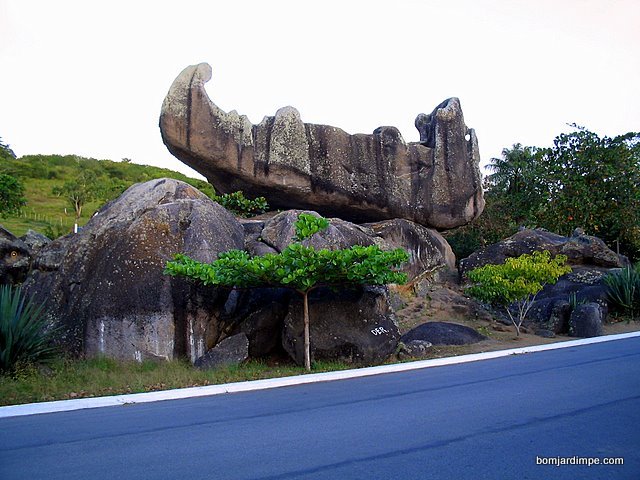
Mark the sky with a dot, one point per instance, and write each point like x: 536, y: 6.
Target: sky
x: 89, y: 78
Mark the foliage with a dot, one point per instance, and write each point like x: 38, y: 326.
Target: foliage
x: 79, y: 191
x: 517, y: 281
x: 5, y: 151
x: 237, y: 203
x: 307, y: 225
x: 582, y: 181
x: 23, y: 334
x: 623, y: 289
x: 299, y: 267
x: 11, y: 195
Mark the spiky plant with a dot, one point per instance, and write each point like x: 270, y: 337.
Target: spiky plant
x: 24, y: 337
x: 623, y: 289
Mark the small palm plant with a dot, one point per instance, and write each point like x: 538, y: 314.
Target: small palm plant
x: 24, y: 337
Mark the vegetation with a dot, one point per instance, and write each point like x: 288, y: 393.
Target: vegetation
x: 516, y: 281
x: 24, y: 337
x: 299, y: 267
x: 237, y: 203
x: 55, y: 213
x: 11, y: 195
x: 623, y: 290
x: 64, y: 379
x: 583, y: 181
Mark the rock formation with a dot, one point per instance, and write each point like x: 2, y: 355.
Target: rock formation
x: 15, y: 258
x: 105, y: 285
x: 435, y: 182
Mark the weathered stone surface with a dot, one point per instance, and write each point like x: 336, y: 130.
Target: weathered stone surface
x: 443, y: 333
x: 586, y: 320
x: 106, y: 285
x: 353, y: 326
x: 358, y: 177
x: 414, y: 349
x: 230, y: 351
x: 580, y: 249
x: 428, y: 251
x: 15, y: 258
x: 35, y: 241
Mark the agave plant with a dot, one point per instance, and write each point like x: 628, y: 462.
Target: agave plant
x: 24, y: 337
x: 623, y: 289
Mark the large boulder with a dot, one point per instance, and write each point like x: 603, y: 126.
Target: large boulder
x: 443, y: 333
x: 355, y: 326
x: 586, y: 320
x: 105, y: 286
x: 230, y: 351
x: 435, y: 182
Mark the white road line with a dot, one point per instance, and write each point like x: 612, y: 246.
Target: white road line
x: 115, y: 400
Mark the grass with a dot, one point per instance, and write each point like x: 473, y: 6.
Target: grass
x: 66, y: 379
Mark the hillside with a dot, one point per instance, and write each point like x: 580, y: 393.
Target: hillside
x: 52, y: 214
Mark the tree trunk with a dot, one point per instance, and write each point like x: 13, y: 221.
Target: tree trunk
x: 307, y: 342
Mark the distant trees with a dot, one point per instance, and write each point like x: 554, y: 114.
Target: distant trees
x: 79, y: 191
x: 11, y: 195
x: 584, y: 181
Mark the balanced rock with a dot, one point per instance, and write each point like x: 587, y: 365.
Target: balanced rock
x: 435, y: 182
x: 105, y: 286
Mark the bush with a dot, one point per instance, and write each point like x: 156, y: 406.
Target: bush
x: 24, y: 337
x: 623, y: 289
x: 237, y: 203
x: 516, y: 281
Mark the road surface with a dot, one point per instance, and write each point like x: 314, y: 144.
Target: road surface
x: 506, y: 418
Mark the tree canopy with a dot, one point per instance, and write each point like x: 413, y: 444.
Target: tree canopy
x: 582, y: 181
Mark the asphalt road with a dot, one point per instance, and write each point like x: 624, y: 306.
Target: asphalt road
x: 494, y: 419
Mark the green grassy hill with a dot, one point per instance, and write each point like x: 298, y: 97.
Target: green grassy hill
x: 53, y: 215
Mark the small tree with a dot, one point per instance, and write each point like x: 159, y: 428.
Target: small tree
x: 11, y: 195
x: 79, y: 191
x: 516, y: 282
x: 298, y: 267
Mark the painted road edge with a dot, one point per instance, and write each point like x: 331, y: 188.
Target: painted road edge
x: 133, y: 398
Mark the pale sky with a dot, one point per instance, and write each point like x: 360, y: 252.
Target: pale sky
x: 88, y: 78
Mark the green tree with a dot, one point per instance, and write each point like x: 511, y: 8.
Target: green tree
x: 78, y: 192
x: 11, y: 195
x: 516, y: 282
x: 298, y: 267
x: 5, y: 151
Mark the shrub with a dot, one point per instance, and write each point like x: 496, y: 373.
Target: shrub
x: 516, y: 281
x: 623, y: 289
x: 237, y: 203
x: 24, y: 337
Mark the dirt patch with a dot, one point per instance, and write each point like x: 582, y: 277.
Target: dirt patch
x: 447, y: 303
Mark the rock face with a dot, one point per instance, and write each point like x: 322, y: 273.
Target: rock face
x: 586, y: 320
x: 230, y: 351
x: 106, y: 286
x: 359, y: 177
x: 352, y: 326
x: 443, y: 333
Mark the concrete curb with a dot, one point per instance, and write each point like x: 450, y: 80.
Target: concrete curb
x: 82, y: 403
